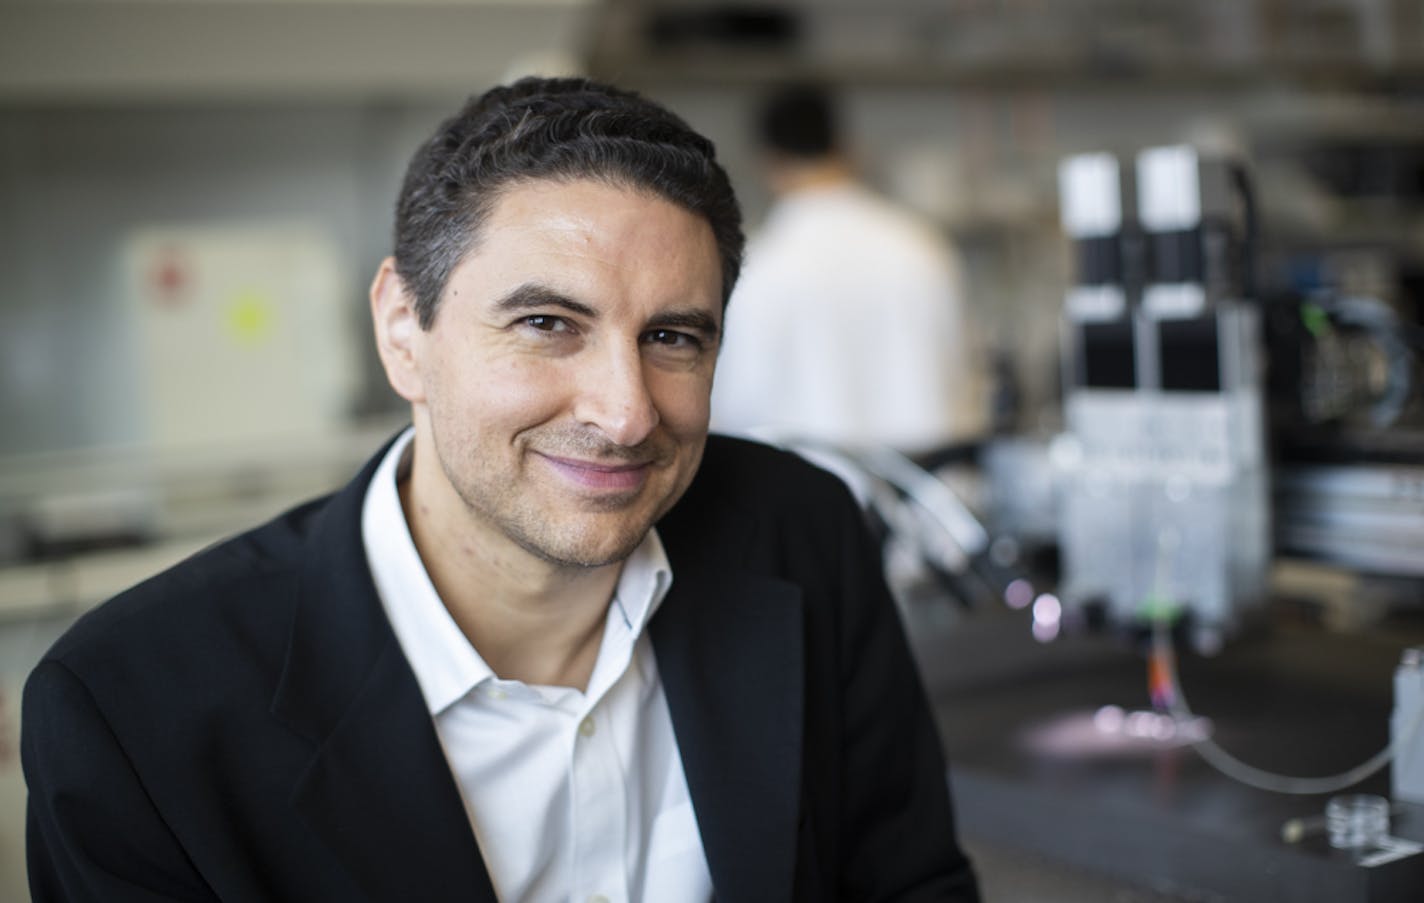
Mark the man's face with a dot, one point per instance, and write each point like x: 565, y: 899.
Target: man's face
x: 564, y: 385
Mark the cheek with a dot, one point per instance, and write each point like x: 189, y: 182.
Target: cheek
x: 476, y: 391
x: 521, y: 391
x: 684, y: 402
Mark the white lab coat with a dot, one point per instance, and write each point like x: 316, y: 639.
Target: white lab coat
x: 847, y: 327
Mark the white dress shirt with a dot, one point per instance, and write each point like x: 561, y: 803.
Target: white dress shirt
x: 847, y: 326
x: 573, y: 796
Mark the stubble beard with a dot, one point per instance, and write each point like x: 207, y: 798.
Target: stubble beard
x: 533, y: 531
x: 509, y: 506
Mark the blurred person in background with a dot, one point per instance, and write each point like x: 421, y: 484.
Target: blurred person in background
x: 848, y: 325
x: 554, y: 642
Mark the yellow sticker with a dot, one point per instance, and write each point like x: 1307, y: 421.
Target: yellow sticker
x: 250, y: 317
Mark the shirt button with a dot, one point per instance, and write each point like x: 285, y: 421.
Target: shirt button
x: 598, y: 898
x: 587, y: 727
x: 496, y: 693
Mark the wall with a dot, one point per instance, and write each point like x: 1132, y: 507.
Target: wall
x: 78, y: 182
x: 982, y: 162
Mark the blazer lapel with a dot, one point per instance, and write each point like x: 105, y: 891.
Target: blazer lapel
x: 729, y: 653
x: 378, y: 788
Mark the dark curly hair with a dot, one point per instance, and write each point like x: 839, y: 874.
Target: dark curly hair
x: 561, y: 129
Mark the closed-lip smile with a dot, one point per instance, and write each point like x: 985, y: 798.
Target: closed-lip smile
x: 613, y: 476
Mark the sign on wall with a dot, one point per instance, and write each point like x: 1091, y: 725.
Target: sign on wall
x: 245, y: 332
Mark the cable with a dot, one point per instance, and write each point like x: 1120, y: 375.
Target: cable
x: 1232, y: 767
x: 1380, y: 322
x: 915, y: 505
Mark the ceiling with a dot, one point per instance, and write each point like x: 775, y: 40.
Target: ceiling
x: 62, y: 51
x: 997, y: 41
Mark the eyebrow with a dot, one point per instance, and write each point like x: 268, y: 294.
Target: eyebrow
x: 697, y: 320
x: 532, y: 296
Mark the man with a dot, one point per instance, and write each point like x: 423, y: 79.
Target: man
x: 848, y: 326
x: 480, y: 671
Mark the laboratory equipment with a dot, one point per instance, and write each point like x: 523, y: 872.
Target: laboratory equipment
x: 1165, y: 498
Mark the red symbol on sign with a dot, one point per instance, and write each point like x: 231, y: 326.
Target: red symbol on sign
x: 168, y: 278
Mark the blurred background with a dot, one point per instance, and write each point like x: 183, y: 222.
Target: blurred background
x: 194, y: 196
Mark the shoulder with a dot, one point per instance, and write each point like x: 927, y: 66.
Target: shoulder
x: 236, y: 588
x: 895, y: 228
x: 754, y: 476
x: 751, y: 500
x: 234, y: 599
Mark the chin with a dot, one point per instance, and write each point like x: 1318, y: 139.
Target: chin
x: 585, y: 558
x: 590, y: 548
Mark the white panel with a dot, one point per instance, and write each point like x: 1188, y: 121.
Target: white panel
x: 242, y: 332
x: 1091, y: 191
x: 1095, y: 303
x: 1168, y: 189
x: 1174, y: 300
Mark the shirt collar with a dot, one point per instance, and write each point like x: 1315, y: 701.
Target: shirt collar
x: 446, y: 665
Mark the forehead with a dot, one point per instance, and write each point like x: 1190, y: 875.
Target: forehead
x: 601, y: 244
x: 594, y: 222
x: 616, y: 250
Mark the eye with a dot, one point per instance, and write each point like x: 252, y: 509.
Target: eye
x: 547, y: 323
x: 547, y: 326
x: 671, y: 338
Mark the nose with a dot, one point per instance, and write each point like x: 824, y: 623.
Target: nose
x: 613, y: 397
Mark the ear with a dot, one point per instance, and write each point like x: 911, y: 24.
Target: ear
x: 397, y: 332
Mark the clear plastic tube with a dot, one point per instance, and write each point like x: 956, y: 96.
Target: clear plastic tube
x: 1261, y: 779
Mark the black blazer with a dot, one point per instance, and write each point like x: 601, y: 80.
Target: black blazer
x: 245, y: 727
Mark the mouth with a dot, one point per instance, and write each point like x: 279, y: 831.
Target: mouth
x: 599, y: 476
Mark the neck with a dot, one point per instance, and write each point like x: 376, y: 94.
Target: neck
x: 792, y: 175
x: 531, y: 620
